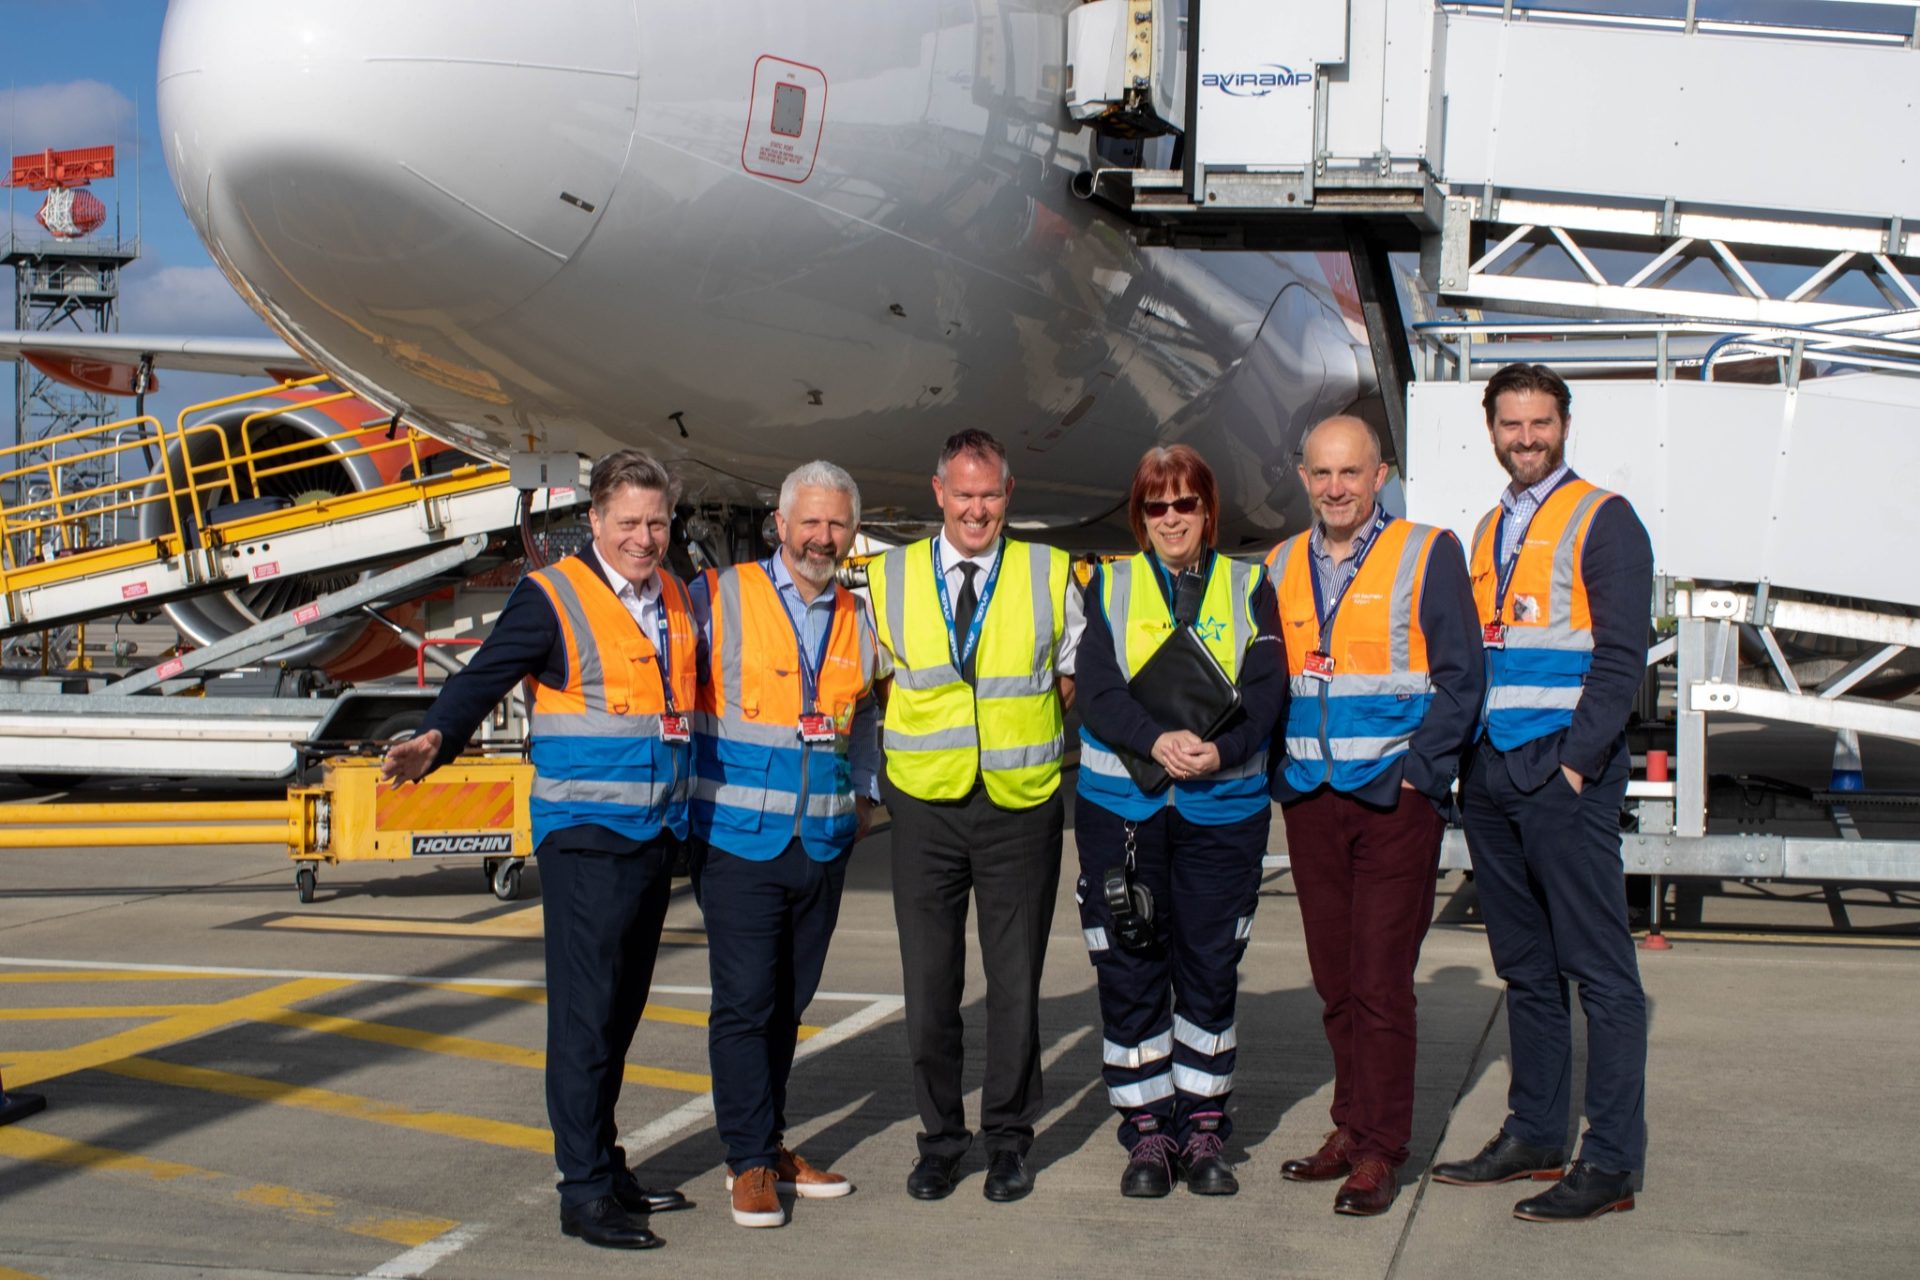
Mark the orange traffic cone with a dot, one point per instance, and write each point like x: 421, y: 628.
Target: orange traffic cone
x: 18, y: 1106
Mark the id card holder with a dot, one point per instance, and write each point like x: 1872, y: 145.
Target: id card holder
x: 1320, y: 665
x: 1494, y: 635
x: 816, y: 728
x: 674, y: 727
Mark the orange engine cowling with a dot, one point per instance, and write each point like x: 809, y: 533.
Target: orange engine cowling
x: 316, y: 451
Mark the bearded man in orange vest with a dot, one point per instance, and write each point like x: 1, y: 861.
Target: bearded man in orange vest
x: 786, y: 755
x: 1563, y: 580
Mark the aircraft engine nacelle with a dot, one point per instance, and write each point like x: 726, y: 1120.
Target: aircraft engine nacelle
x: 301, y: 450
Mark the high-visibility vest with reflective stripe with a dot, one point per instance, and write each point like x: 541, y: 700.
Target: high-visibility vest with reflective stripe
x: 598, y: 759
x: 757, y: 786
x: 1137, y: 613
x: 1347, y: 731
x: 1534, y: 681
x: 1007, y: 729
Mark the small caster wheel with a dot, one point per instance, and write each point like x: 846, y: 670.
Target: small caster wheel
x: 303, y: 882
x: 506, y: 881
x: 489, y: 867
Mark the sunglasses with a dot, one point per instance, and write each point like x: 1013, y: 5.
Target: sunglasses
x: 1185, y: 506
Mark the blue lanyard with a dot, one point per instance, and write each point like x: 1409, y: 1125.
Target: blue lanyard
x: 1503, y: 573
x: 959, y: 648
x: 663, y: 646
x: 809, y: 670
x: 1327, y: 616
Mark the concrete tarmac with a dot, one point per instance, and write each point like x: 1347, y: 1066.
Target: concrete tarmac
x: 238, y: 1086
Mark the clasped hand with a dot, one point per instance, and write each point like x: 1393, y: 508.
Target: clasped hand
x: 1183, y: 755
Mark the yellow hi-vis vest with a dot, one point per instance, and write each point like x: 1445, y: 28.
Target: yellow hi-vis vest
x: 1137, y: 613
x: 1007, y: 728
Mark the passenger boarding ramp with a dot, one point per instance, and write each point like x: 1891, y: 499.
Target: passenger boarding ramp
x: 1624, y: 159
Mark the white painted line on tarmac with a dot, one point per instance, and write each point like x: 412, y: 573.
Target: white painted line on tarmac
x: 400, y: 979
x: 418, y: 1260
x: 693, y: 1111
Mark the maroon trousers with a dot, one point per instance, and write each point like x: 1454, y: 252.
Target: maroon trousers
x: 1365, y: 878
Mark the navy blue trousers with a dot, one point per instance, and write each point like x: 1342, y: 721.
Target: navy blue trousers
x: 602, y: 914
x: 1547, y: 867
x: 1167, y: 1014
x: 768, y: 926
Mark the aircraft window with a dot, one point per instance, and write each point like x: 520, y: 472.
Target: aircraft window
x: 789, y: 109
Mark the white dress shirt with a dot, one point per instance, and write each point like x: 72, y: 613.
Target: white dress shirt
x: 950, y: 561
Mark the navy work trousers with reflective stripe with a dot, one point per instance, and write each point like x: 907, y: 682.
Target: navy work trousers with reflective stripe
x: 602, y: 914
x: 1547, y: 867
x: 1365, y: 880
x: 768, y: 926
x: 1167, y: 1014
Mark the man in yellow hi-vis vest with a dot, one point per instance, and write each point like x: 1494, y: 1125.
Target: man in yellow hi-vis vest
x: 978, y: 633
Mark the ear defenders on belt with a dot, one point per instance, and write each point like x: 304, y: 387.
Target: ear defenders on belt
x: 1130, y: 902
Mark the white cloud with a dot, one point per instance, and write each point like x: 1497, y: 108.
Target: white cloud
x: 196, y: 301
x: 78, y: 113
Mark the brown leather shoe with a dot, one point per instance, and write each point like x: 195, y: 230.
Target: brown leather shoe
x: 1370, y: 1190
x: 756, y: 1202
x: 1332, y: 1160
x: 799, y: 1178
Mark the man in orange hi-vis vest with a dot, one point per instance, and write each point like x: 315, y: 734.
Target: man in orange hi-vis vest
x: 786, y: 750
x: 609, y: 641
x: 1563, y: 579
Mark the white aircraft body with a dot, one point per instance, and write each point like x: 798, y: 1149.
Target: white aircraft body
x: 742, y: 235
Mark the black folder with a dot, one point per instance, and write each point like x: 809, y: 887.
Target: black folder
x: 1182, y: 686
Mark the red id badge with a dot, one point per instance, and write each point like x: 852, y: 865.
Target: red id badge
x: 674, y: 727
x: 816, y: 728
x: 1320, y: 665
x: 1494, y: 635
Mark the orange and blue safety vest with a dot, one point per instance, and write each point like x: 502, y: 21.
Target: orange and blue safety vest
x: 598, y: 755
x: 1535, y: 614
x: 759, y: 785
x: 1356, y: 664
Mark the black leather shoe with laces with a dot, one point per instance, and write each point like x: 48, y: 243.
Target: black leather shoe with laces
x: 1150, y: 1167
x: 1505, y: 1159
x: 1584, y: 1194
x: 1205, y: 1169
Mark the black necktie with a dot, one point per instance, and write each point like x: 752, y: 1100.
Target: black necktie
x: 968, y: 601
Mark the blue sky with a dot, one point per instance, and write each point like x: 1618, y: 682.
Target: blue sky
x: 80, y: 73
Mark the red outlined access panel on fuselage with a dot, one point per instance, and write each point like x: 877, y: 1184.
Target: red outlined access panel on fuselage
x: 785, y: 115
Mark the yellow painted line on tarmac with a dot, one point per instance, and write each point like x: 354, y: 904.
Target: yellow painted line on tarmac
x: 348, y: 1106
x: 8, y: 1273
x: 538, y: 995
x: 58, y: 1013
x: 20, y: 1143
x: 32, y: 1068
x: 511, y: 1055
x: 510, y: 926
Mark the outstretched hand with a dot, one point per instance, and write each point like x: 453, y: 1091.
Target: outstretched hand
x: 411, y: 760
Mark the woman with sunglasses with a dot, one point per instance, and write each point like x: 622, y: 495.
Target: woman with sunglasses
x: 1168, y: 970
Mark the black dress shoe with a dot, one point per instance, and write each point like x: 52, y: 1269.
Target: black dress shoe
x: 932, y: 1177
x: 605, y: 1223
x: 1505, y: 1159
x: 1585, y: 1193
x: 635, y: 1198
x: 1007, y: 1177
x: 1150, y: 1167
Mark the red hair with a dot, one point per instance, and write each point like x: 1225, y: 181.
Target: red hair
x: 1170, y: 469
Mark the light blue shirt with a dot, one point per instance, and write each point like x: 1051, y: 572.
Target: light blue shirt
x: 813, y: 620
x: 1520, y: 508
x: 1335, y: 574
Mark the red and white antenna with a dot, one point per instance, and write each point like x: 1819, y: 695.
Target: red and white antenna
x: 70, y: 211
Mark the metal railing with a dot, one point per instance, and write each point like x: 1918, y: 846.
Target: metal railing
x: 1885, y: 22
x: 49, y: 512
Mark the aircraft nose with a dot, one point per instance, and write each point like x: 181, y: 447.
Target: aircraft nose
x: 404, y: 159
